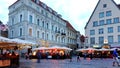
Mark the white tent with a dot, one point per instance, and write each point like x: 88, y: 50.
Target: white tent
x: 59, y: 47
x: 4, y: 39
x: 40, y: 48
x: 19, y: 41
x: 53, y: 47
x: 104, y: 49
x: 86, y: 49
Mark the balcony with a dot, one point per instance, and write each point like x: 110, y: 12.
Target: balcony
x: 57, y: 33
x: 63, y: 34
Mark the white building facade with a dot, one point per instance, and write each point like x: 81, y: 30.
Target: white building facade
x: 104, y: 24
x: 34, y: 21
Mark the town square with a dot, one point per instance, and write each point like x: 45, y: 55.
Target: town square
x: 60, y: 34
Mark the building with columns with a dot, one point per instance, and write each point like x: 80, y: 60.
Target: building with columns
x: 104, y: 24
x: 35, y: 21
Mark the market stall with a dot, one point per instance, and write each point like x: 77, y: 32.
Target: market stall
x: 54, y: 52
x: 7, y: 53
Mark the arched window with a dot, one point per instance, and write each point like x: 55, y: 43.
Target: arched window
x: 47, y: 25
x: 52, y: 38
x: 30, y: 18
x: 12, y: 21
x: 38, y: 22
x: 43, y: 35
x: 30, y: 32
x: 20, y: 31
x: 43, y: 23
x: 21, y: 18
x: 47, y: 36
x: 38, y: 34
x: 12, y: 33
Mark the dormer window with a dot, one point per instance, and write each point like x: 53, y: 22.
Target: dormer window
x: 104, y: 5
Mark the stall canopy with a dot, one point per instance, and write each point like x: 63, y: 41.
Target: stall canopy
x: 22, y: 44
x: 23, y: 41
x: 86, y: 49
x: 7, y: 43
x: 4, y: 39
x: 62, y: 48
x: 40, y: 48
x: 53, y: 47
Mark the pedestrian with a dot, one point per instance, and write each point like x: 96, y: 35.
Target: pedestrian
x: 115, y: 57
x: 91, y: 56
x: 78, y: 57
x: 85, y: 55
x: 70, y: 56
x: 38, y: 56
x: 26, y: 56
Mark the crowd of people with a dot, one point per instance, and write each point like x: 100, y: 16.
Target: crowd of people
x: 40, y: 55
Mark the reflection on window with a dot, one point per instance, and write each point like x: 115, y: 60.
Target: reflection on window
x: 108, y: 13
x: 116, y: 20
x: 110, y: 29
x: 95, y: 23
x: 92, y: 32
x: 101, y: 40
x: 118, y: 28
x: 110, y: 39
x: 118, y: 38
x: 101, y: 22
x: 108, y: 21
x: 92, y: 40
x: 101, y: 14
x: 101, y: 31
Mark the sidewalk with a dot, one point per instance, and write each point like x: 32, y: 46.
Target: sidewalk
x: 95, y: 63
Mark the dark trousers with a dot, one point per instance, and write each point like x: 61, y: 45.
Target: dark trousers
x: 38, y: 60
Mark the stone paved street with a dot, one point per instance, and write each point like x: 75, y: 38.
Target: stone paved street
x: 95, y: 63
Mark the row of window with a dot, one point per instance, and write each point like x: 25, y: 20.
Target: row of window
x: 45, y: 25
x: 101, y: 30
x: 102, y: 14
x: 48, y: 12
x: 43, y: 35
x: 106, y: 22
x: 101, y: 40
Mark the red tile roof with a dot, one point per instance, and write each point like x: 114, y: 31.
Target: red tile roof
x: 69, y: 25
x: 52, y: 11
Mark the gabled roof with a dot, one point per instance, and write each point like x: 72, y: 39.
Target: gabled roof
x: 118, y: 6
x: 91, y: 15
x: 14, y: 3
x: 68, y: 25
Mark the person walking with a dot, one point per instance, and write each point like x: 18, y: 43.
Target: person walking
x: 26, y: 56
x: 71, y: 56
x: 38, y: 56
x: 115, y: 57
x: 78, y: 57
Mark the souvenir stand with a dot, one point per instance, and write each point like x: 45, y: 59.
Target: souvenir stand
x: 8, y: 57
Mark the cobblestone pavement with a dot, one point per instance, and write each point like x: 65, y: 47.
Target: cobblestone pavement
x: 95, y: 63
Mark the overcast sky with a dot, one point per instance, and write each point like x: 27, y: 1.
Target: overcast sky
x: 77, y: 12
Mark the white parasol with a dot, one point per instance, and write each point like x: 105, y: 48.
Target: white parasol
x: 40, y: 48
